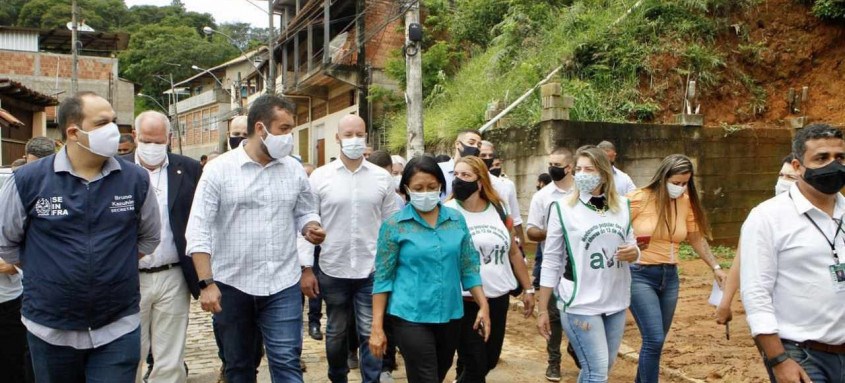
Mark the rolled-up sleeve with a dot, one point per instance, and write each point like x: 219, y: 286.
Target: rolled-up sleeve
x: 470, y: 264
x: 305, y: 250
x: 307, y: 204
x: 758, y: 274
x: 149, y: 224
x: 203, y: 214
x: 387, y: 255
x: 536, y: 213
x: 12, y: 222
x: 554, y: 254
x: 514, y: 204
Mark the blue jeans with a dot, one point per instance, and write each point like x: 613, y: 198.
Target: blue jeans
x: 277, y: 318
x: 654, y: 295
x: 344, y: 297
x: 538, y: 264
x: 596, y: 340
x: 116, y: 362
x: 822, y: 367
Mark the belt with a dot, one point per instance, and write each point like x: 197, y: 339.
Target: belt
x: 159, y: 268
x: 817, y: 346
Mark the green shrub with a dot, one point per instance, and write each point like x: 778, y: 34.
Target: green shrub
x: 829, y: 9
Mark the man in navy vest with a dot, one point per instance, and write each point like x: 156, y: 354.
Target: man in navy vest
x: 77, y: 222
x: 168, y: 277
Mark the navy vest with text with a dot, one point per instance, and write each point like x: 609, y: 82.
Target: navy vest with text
x: 80, y: 250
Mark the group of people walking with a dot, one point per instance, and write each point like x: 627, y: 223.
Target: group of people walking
x: 102, y: 253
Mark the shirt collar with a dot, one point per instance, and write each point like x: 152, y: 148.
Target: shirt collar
x: 803, y: 205
x: 338, y: 165
x: 410, y: 213
x: 61, y: 163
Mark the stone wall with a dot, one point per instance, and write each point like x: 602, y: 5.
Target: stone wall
x: 734, y: 170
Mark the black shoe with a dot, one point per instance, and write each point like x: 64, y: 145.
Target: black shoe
x: 553, y: 373
x: 571, y: 352
x: 314, y: 332
x: 352, y: 361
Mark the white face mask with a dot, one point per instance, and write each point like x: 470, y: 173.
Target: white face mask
x: 151, y: 154
x: 783, y: 186
x: 353, y: 148
x: 397, y: 179
x: 424, y: 202
x: 102, y: 141
x: 587, y: 182
x: 675, y: 191
x: 278, y: 146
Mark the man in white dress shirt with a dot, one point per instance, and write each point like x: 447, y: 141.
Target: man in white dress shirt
x: 249, y: 205
x: 167, y: 278
x: 624, y: 183
x: 792, y: 248
x: 354, y: 197
x: 505, y: 188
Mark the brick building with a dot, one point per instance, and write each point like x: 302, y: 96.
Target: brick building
x: 22, y: 116
x: 41, y: 61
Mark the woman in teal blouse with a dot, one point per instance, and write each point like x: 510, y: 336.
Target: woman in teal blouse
x: 425, y: 255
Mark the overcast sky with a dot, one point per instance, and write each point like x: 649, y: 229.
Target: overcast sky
x: 224, y: 11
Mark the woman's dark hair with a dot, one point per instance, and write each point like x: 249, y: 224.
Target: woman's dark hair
x: 423, y: 164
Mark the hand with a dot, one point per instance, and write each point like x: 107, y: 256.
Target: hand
x: 483, y: 320
x: 721, y: 277
x: 543, y: 325
x: 378, y: 342
x: 627, y: 253
x: 309, y: 284
x: 723, y: 314
x: 210, y: 299
x: 7, y: 268
x: 528, y: 303
x: 314, y: 233
x: 790, y: 372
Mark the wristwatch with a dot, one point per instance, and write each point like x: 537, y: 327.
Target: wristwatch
x: 772, y: 362
x: 205, y: 283
x: 529, y: 291
x: 717, y: 267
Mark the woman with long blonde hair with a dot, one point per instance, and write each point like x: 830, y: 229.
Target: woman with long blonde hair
x: 668, y: 211
x: 502, y: 267
x: 589, y: 244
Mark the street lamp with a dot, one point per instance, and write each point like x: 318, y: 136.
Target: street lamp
x: 163, y: 109
x: 208, y: 31
x: 198, y: 69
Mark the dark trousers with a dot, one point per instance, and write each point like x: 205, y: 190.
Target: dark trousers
x: 116, y: 362
x: 388, y: 362
x: 428, y: 348
x: 553, y: 344
x: 259, y: 346
x: 475, y: 357
x: 15, y: 363
x: 315, y: 305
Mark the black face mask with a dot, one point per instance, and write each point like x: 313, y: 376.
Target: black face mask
x: 828, y: 179
x: 488, y: 162
x: 463, y: 189
x: 557, y: 173
x: 235, y: 141
x: 468, y: 151
x: 496, y: 172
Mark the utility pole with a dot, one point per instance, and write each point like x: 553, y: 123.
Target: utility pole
x: 271, y: 44
x: 174, y: 101
x: 74, y: 40
x: 413, y: 92
x: 361, y: 64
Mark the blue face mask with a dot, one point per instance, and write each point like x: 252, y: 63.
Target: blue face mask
x: 424, y: 202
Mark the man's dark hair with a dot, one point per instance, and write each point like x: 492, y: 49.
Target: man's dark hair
x: 70, y: 111
x: 812, y: 132
x: 423, y: 164
x: 40, y: 147
x: 788, y: 159
x: 380, y: 158
x: 544, y: 178
x: 464, y: 132
x: 442, y: 158
x: 264, y: 108
x: 203, y: 157
x: 124, y: 138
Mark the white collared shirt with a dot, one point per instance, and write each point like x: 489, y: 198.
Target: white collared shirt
x: 624, y: 183
x: 787, y: 288
x: 246, y: 216
x: 352, y: 206
x: 166, y: 252
x: 538, y: 212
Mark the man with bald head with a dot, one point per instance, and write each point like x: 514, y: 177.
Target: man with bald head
x: 237, y: 131
x: 167, y: 275
x: 354, y: 197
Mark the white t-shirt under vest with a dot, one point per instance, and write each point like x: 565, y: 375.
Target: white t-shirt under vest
x: 493, y: 242
x: 588, y: 239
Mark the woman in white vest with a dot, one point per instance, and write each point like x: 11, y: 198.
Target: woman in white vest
x: 502, y: 267
x: 588, y: 247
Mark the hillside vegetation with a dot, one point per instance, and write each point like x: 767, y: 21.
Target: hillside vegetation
x: 743, y: 54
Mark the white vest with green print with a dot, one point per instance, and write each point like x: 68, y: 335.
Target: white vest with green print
x: 600, y: 284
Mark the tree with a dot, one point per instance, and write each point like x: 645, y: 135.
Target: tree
x: 9, y: 10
